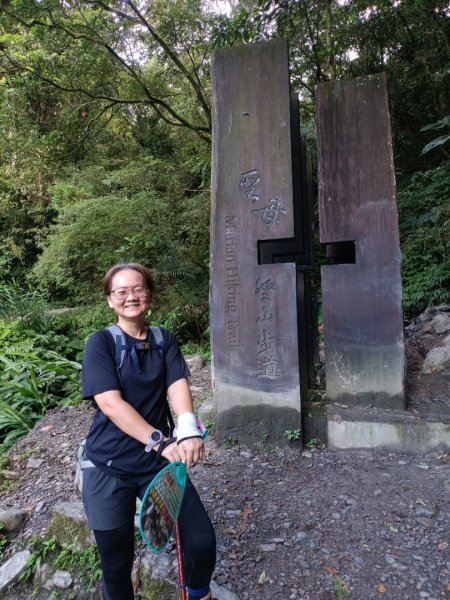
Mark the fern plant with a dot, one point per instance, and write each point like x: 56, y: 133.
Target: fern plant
x: 30, y: 387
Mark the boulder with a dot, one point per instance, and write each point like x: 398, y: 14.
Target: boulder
x: 11, y: 520
x: 441, y: 323
x: 11, y: 570
x: 69, y: 526
x: 196, y: 362
x: 438, y: 358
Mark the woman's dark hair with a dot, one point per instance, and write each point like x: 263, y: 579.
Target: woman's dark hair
x: 146, y: 274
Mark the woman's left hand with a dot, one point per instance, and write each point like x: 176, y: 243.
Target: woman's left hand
x: 191, y: 451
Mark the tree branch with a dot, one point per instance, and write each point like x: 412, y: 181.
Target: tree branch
x: 174, y: 58
x: 158, y: 104
x: 180, y: 122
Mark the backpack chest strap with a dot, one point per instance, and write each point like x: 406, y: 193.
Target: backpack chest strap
x: 122, y: 346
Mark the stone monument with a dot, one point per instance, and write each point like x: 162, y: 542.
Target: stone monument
x: 262, y: 311
x: 254, y: 337
x: 362, y: 289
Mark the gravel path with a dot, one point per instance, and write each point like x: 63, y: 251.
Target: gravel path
x: 291, y: 523
x: 316, y: 525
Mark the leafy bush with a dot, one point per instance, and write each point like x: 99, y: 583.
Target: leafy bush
x: 34, y: 379
x: 30, y: 387
x: 424, y: 209
x: 188, y: 323
x: 194, y: 348
x: 25, y: 304
x: 141, y: 211
x: 80, y: 322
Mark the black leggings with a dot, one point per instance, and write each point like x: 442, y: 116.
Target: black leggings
x: 116, y: 548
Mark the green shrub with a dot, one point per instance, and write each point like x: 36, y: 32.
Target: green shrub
x: 141, y: 211
x: 194, y: 348
x: 83, y: 562
x: 84, y: 320
x: 24, y: 304
x: 34, y: 379
x: 424, y: 208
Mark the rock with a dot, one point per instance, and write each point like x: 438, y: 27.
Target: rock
x: 157, y: 576
x: 437, y: 359
x: 11, y: 570
x: 441, y: 323
x: 207, y: 412
x: 196, y: 362
x: 220, y: 592
x: 69, y: 526
x: 34, y: 463
x: 268, y: 547
x: 60, y: 579
x: 12, y: 520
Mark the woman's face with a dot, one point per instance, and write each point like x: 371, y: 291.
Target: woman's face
x: 124, y: 299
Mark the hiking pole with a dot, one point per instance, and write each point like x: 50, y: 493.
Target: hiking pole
x: 180, y: 561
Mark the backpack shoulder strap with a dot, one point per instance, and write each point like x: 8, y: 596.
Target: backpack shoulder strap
x: 120, y: 343
x: 157, y: 336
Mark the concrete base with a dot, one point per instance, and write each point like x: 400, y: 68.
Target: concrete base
x: 399, y: 431
x: 346, y: 428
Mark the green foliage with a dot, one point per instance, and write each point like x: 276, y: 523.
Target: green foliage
x: 34, y: 379
x: 314, y: 443
x: 4, y: 542
x: 293, y: 434
x: 340, y: 588
x: 425, y: 239
x: 193, y: 348
x: 84, y: 563
x: 85, y: 51
x: 77, y: 324
x: 187, y: 323
x: 102, y: 149
x: 230, y: 442
x: 81, y: 245
x: 41, y: 548
x: 25, y: 304
x: 6, y: 484
x: 440, y: 140
x: 131, y: 212
x: 336, y: 40
x: 210, y: 426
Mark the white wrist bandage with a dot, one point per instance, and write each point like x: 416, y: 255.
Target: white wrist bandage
x: 188, y: 427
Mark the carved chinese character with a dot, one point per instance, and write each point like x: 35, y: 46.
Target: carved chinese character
x: 265, y: 341
x: 271, y: 212
x: 248, y: 183
x: 268, y: 367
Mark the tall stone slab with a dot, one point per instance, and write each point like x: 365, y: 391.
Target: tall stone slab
x: 362, y: 302
x: 253, y: 306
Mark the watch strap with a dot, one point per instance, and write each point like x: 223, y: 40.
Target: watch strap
x: 152, y: 442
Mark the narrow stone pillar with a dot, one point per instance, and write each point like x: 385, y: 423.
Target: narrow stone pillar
x: 253, y: 307
x: 362, y: 299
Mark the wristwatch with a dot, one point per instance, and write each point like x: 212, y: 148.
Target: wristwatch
x: 153, y: 439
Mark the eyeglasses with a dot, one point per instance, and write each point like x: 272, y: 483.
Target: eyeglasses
x: 122, y: 292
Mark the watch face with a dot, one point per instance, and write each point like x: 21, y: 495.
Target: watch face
x: 156, y: 436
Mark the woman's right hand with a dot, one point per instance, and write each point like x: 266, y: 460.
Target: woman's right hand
x: 171, y: 452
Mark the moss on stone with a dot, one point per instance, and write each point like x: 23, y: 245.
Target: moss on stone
x: 66, y: 530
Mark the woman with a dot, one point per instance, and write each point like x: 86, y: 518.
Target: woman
x: 126, y: 442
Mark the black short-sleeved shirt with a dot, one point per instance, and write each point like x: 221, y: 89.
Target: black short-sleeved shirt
x: 107, y: 446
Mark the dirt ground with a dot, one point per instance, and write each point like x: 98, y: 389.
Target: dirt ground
x: 291, y: 523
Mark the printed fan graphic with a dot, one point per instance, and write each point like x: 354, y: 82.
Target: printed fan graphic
x: 161, y: 505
